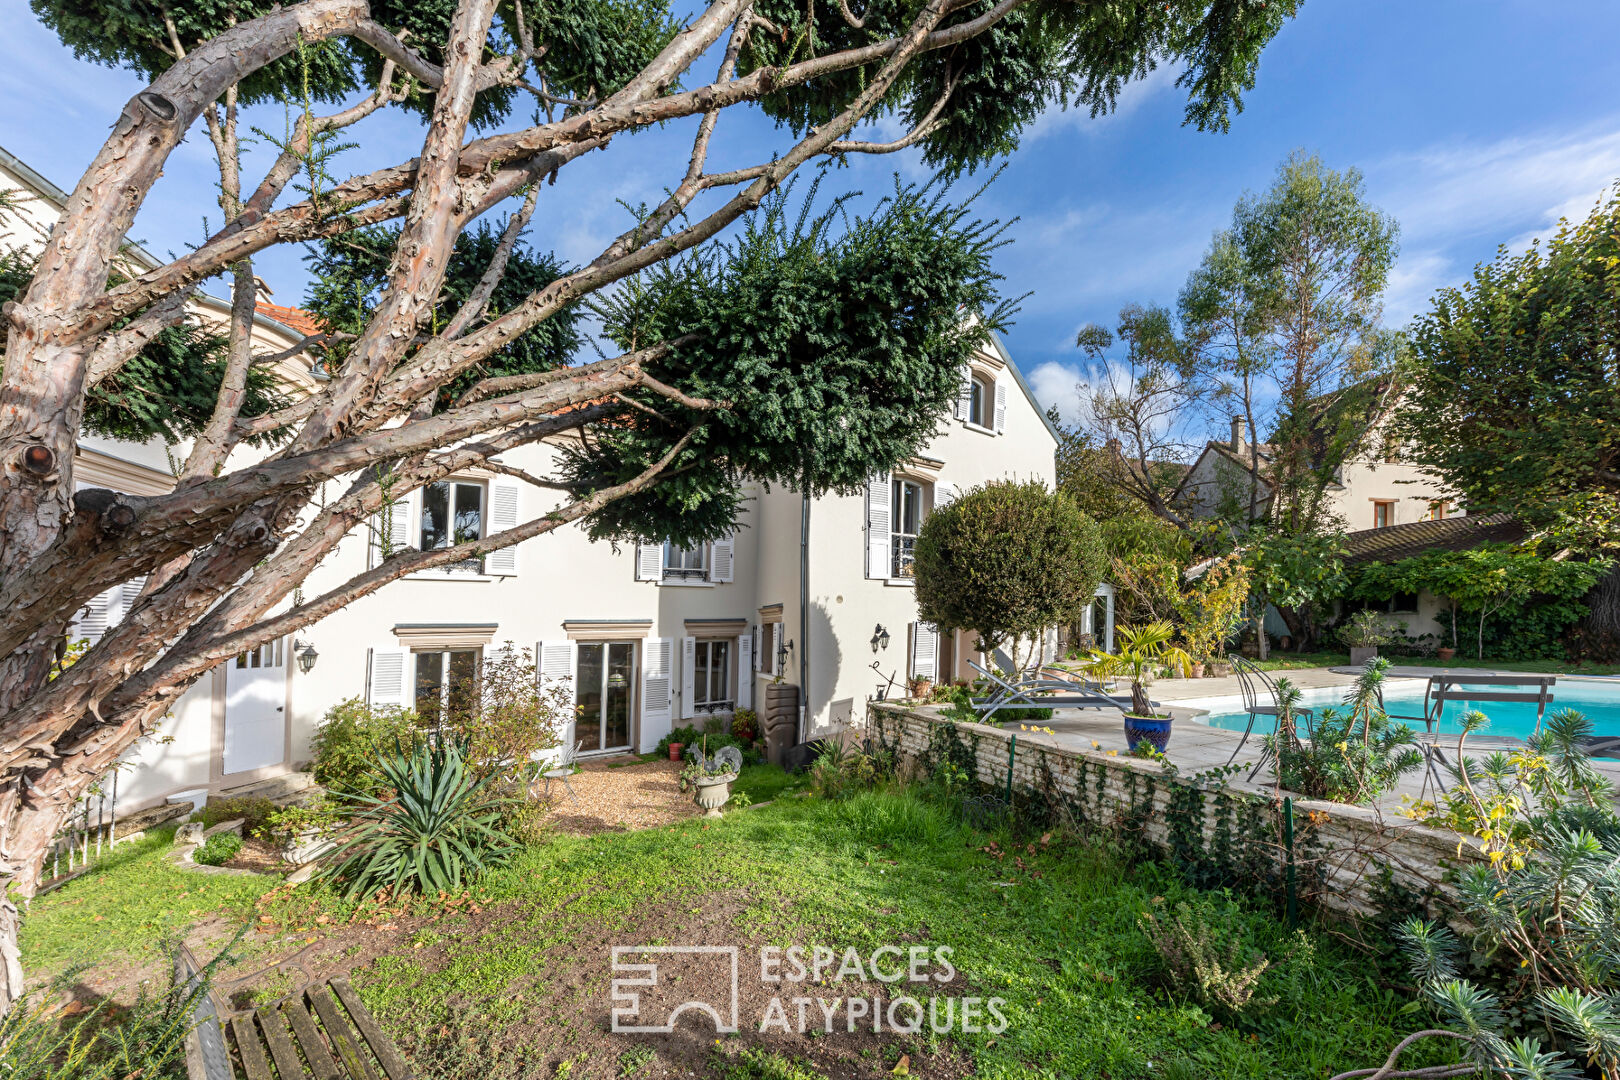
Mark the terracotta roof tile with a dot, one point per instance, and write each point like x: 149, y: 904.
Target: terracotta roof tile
x: 292, y: 318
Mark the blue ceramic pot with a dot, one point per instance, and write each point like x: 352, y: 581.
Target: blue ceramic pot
x: 1155, y: 730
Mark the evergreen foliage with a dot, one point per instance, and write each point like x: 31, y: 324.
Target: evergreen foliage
x: 168, y: 389
x: 836, y: 350
x: 350, y: 272
x: 1007, y: 560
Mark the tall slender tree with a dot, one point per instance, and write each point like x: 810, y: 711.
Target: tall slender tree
x: 798, y: 353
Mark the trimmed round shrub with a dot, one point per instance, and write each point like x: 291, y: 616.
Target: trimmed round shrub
x: 1007, y: 560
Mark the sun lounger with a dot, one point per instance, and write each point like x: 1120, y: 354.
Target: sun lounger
x: 1041, y: 690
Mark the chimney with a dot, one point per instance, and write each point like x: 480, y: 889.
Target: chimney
x: 1237, y: 433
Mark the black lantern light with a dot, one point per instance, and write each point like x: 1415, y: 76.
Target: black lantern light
x: 880, y: 638
x: 306, y: 656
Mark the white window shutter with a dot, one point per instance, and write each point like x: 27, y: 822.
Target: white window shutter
x: 964, y: 394
x: 877, y: 527
x: 503, y: 515
x: 554, y: 662
x: 944, y: 495
x: 131, y: 593
x: 924, y: 651
x: 722, y: 557
x: 1001, y: 406
x: 387, y: 677
x: 657, y: 682
x: 95, y: 616
x: 688, y: 678
x: 745, y: 671
x: 649, y: 562
x: 398, y: 521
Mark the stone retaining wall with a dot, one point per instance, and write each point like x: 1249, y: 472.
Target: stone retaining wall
x: 1352, y: 860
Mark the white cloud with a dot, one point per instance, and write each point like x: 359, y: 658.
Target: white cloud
x: 1054, y: 383
x: 1457, y: 201
x: 1135, y: 94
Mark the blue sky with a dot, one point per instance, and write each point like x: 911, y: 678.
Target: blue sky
x: 1475, y: 122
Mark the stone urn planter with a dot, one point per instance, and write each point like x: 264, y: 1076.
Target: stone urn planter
x: 711, y: 777
x: 1153, y: 729
x: 713, y: 792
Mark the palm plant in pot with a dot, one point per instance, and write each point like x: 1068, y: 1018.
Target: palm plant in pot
x: 1141, y: 650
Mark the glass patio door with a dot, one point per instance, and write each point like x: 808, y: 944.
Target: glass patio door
x: 606, y: 678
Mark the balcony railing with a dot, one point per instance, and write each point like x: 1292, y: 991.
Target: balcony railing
x: 904, y: 555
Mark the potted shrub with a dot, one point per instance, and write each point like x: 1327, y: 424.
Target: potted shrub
x: 1364, y: 632
x: 1142, y: 650
x: 711, y: 777
x: 1445, y: 653
x: 921, y: 687
x: 745, y: 725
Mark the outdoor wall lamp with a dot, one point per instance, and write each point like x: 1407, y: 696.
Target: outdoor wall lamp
x: 783, y: 651
x: 306, y: 656
x: 880, y: 638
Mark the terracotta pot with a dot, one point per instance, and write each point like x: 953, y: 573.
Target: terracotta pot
x: 1195, y: 671
x: 1445, y: 654
x: 675, y: 749
x: 921, y: 688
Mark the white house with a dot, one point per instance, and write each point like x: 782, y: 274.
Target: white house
x: 810, y: 596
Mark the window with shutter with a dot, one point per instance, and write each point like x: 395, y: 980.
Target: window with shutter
x: 924, y: 651
x: 1001, y: 406
x: 390, y: 529
x: 944, y: 494
x: 689, y: 688
x: 385, y: 679
x: 964, y: 395
x: 722, y: 556
x: 745, y: 671
x: 503, y: 515
x: 657, y: 685
x: 649, y: 562
x: 877, y: 527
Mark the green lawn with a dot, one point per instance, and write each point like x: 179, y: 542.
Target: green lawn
x: 1063, y: 948
x: 128, y: 906
x: 1053, y: 929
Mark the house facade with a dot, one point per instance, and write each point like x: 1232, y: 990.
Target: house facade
x: 1370, y: 491
x: 814, y: 595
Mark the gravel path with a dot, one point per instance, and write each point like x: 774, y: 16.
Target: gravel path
x: 614, y: 798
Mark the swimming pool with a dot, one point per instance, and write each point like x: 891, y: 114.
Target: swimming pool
x: 1598, y: 698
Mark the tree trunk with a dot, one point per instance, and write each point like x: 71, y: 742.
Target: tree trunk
x: 1140, y: 705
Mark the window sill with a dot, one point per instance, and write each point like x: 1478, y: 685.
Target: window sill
x: 901, y: 583
x: 680, y: 583
x: 452, y: 575
x: 980, y: 428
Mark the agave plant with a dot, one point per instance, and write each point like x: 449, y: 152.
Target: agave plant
x: 439, y: 829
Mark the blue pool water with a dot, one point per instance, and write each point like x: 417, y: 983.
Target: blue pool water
x: 1599, y: 699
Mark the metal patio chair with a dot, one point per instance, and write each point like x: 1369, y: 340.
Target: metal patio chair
x: 1447, y: 688
x: 1041, y: 690
x: 561, y: 771
x: 1260, y: 698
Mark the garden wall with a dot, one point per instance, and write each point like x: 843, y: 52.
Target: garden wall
x: 1354, y: 861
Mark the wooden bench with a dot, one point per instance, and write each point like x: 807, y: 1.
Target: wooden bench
x: 331, y: 1037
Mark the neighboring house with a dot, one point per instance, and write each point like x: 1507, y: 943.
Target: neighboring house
x: 812, y: 594
x: 1424, y: 613
x: 1369, y: 492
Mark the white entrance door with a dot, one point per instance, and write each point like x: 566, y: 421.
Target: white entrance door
x: 255, y: 709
